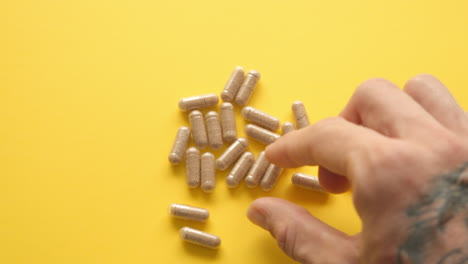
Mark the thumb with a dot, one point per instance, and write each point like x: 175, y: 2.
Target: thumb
x: 300, y: 235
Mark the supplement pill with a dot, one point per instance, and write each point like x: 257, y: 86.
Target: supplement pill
x: 307, y: 182
x: 247, y: 88
x: 192, y: 167
x: 198, y: 102
x: 271, y: 177
x: 188, y: 212
x: 257, y: 171
x: 228, y: 122
x: 239, y: 170
x: 260, y: 134
x: 233, y: 84
x: 231, y: 154
x: 287, y: 127
x: 179, y: 146
x: 260, y: 118
x: 199, y: 135
x: 299, y: 111
x: 200, y: 238
x: 213, y: 128
x: 208, y: 180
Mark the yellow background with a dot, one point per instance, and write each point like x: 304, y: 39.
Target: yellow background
x: 88, y: 111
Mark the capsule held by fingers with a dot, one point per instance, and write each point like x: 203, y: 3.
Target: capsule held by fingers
x: 307, y: 182
x: 271, y: 177
x: 180, y: 144
x: 231, y: 154
x: 287, y: 127
x: 188, y: 212
x: 260, y: 118
x: 233, y: 84
x: 247, y: 88
x: 300, y: 114
x: 208, y: 180
x: 200, y: 238
x: 199, y: 135
x: 198, y: 102
x: 192, y: 167
x: 213, y: 129
x: 262, y: 135
x: 228, y: 122
x: 239, y: 170
x: 257, y: 171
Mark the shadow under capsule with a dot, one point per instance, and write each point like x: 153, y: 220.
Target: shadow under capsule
x: 202, y: 252
x: 298, y: 194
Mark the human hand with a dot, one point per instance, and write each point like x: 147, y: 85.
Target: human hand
x: 405, y: 156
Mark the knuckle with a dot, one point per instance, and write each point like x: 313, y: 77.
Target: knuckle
x: 373, y: 84
x: 450, y: 147
x: 368, y: 91
x: 419, y: 82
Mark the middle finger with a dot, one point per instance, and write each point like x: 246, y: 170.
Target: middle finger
x: 380, y: 105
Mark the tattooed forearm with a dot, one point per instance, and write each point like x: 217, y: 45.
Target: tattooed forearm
x: 447, y: 202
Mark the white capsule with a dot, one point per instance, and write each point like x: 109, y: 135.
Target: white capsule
x: 180, y: 144
x: 247, y: 88
x: 262, y: 135
x: 239, y: 170
x: 260, y: 118
x: 208, y: 180
x: 200, y: 238
x: 213, y: 129
x: 307, y: 182
x: 271, y: 177
x: 233, y: 84
x: 232, y: 153
x: 257, y: 171
x: 300, y: 113
x: 228, y: 122
x: 188, y: 212
x: 198, y: 102
x: 287, y: 127
x: 192, y: 167
x: 199, y: 135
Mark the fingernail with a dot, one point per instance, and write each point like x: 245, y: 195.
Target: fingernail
x: 256, y: 217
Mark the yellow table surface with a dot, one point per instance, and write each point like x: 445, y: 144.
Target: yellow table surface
x: 88, y: 112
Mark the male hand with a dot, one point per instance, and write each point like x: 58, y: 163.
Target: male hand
x: 404, y: 154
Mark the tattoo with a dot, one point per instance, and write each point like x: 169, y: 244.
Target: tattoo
x: 446, y: 201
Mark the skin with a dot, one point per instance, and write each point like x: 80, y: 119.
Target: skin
x: 404, y: 154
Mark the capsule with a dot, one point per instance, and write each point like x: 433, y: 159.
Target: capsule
x: 198, y: 102
x: 188, y: 212
x: 208, y: 180
x: 192, y: 167
x: 233, y: 84
x: 200, y: 137
x: 179, y: 146
x: 307, y: 182
x: 213, y: 128
x: 200, y: 238
x: 232, y: 153
x: 228, y: 122
x: 239, y: 170
x: 257, y: 171
x: 247, y: 88
x: 260, y: 118
x: 300, y: 113
x: 271, y: 177
x: 260, y: 134
x: 287, y: 127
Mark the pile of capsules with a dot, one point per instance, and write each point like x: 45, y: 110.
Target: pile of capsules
x: 213, y: 130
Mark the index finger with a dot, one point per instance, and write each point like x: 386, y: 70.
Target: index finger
x: 333, y: 143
